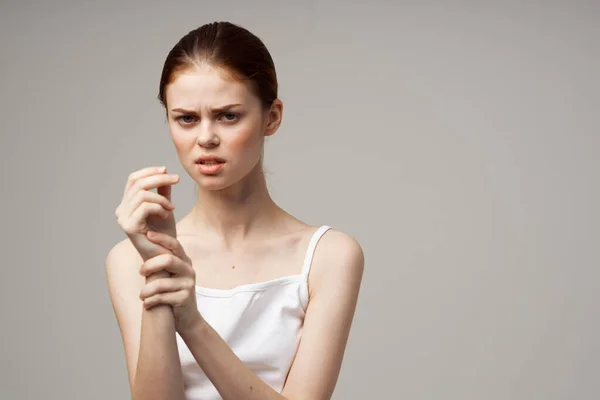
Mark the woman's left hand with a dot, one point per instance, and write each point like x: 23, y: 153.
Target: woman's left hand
x: 178, y: 290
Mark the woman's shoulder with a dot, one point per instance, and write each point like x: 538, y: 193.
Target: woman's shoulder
x: 338, y: 257
x: 332, y: 243
x: 339, y: 245
x: 122, y: 264
x: 122, y: 251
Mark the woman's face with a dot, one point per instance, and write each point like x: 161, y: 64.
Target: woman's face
x: 210, y: 114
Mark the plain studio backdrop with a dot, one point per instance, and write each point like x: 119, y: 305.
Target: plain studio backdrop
x: 457, y: 141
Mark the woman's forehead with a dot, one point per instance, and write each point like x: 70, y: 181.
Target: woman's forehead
x: 208, y: 87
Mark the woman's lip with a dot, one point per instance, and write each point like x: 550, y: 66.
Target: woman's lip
x: 210, y: 169
x: 209, y: 158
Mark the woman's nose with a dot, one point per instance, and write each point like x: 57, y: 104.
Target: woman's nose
x: 207, y: 137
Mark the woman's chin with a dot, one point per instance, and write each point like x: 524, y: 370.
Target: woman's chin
x: 212, y: 184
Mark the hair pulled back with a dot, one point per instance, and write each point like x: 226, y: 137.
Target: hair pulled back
x: 226, y: 45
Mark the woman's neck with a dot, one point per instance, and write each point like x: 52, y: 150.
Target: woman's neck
x: 233, y: 215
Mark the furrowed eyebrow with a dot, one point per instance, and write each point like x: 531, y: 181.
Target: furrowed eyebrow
x: 215, y: 110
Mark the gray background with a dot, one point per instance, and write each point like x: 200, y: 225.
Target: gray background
x: 456, y: 141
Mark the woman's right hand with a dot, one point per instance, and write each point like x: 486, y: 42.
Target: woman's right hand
x: 142, y: 210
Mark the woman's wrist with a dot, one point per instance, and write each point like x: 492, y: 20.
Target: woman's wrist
x: 196, y: 328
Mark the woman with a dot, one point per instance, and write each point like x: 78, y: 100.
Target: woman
x: 236, y: 300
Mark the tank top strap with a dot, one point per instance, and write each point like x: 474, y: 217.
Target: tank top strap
x: 311, y: 248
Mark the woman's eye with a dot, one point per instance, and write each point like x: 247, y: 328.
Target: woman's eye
x: 190, y: 119
x: 186, y: 119
x: 229, y: 117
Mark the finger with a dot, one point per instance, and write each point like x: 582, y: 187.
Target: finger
x: 165, y: 262
x: 168, y: 242
x: 141, y: 214
x: 136, y: 222
x: 146, y: 196
x: 163, y: 285
x: 153, y: 182
x: 171, y: 298
x: 141, y: 173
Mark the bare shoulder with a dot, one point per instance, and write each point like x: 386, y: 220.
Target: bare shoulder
x: 337, y: 243
x: 121, y: 260
x: 124, y: 247
x: 338, y: 258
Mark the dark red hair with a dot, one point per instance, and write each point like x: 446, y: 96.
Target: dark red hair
x: 231, y: 47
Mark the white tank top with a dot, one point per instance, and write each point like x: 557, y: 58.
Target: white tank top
x: 262, y: 323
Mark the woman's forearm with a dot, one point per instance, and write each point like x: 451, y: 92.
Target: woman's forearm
x: 158, y: 375
x: 230, y: 376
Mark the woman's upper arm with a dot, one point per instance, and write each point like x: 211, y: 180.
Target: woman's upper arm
x: 335, y: 279
x: 124, y: 285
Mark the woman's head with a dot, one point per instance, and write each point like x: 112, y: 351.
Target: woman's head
x: 219, y: 90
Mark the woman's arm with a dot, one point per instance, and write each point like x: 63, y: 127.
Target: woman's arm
x: 334, y: 285
x: 148, y: 336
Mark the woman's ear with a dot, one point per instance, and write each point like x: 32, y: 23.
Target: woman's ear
x: 274, y: 116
